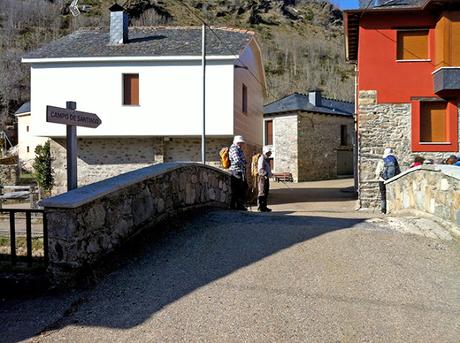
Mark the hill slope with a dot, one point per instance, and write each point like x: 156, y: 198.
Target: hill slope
x: 301, y: 40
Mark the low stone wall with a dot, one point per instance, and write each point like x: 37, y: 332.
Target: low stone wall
x: 8, y: 174
x: 431, y: 189
x: 89, y: 222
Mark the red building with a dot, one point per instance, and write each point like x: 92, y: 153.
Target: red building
x: 407, y: 56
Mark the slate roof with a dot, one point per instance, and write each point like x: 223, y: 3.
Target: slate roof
x: 145, y: 41
x: 390, y: 3
x: 25, y: 108
x: 299, y: 102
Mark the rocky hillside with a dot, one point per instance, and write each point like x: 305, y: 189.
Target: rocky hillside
x: 302, y: 40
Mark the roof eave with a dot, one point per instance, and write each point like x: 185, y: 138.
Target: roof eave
x: 127, y: 59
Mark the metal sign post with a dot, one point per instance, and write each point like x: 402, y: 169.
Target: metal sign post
x: 71, y: 118
x: 203, y: 62
x: 71, y: 150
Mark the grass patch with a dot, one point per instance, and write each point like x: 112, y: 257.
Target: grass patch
x: 21, y: 246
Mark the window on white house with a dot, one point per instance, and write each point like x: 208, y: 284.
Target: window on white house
x: 245, y: 99
x: 27, y: 128
x: 130, y: 89
x: 28, y: 149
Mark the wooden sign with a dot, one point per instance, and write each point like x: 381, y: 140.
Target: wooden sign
x: 67, y: 116
x: 71, y: 118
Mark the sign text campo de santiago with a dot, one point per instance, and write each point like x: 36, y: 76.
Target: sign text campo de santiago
x: 71, y: 117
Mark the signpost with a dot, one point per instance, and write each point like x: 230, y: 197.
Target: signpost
x: 71, y: 118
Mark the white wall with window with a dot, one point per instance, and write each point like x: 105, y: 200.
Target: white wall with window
x: 137, y: 98
x: 27, y: 141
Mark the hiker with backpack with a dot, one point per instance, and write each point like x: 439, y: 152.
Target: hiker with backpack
x: 387, y: 168
x: 263, y: 183
x: 238, y: 170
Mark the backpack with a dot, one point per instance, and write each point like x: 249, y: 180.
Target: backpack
x: 390, y: 167
x: 255, y: 164
x: 224, y: 157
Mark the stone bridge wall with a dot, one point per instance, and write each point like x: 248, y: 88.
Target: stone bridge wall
x: 92, y: 221
x: 380, y: 126
x: 431, y: 189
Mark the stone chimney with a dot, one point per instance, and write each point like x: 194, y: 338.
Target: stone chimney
x: 314, y: 97
x: 118, y: 25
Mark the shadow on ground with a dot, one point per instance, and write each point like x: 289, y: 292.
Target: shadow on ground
x: 289, y: 195
x: 182, y: 260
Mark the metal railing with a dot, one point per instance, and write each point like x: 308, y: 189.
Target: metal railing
x: 27, y: 192
x: 28, y: 231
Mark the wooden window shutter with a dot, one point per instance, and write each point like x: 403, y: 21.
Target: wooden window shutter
x: 130, y: 89
x: 412, y: 45
x: 433, y: 123
x: 269, y: 132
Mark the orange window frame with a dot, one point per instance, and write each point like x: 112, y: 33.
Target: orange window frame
x: 410, y: 52
x: 451, y: 129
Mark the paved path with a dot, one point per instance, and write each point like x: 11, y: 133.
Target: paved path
x: 317, y: 272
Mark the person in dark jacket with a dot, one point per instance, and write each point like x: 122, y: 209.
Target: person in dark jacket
x: 238, y: 169
x: 263, y: 183
x: 387, y: 168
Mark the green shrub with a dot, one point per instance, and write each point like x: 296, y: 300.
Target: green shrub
x: 43, y: 172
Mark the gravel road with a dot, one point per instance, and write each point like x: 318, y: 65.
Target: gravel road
x: 288, y: 276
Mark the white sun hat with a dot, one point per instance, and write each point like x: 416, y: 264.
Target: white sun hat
x: 238, y: 139
x: 266, y: 149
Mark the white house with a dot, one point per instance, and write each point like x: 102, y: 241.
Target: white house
x: 146, y: 86
x: 27, y: 141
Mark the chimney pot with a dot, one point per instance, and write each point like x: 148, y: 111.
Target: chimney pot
x: 118, y: 25
x: 314, y: 97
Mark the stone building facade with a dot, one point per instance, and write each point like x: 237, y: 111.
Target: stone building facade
x: 101, y: 158
x: 311, y: 136
x: 381, y: 126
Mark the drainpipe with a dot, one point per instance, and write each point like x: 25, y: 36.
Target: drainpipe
x: 356, y: 140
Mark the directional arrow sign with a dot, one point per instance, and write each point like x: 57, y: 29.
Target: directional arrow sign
x: 71, y: 117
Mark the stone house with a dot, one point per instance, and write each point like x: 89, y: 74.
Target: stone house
x: 145, y: 83
x: 26, y: 141
x: 407, y: 56
x: 311, y: 136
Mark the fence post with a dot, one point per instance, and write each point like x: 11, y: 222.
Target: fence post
x: 29, y: 237
x: 12, y: 238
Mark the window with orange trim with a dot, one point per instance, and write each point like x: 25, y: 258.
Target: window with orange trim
x: 434, y: 126
x: 412, y: 45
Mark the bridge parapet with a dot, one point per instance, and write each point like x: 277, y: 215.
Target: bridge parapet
x: 433, y: 189
x: 87, y: 223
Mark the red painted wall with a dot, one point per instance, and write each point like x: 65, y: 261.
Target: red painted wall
x: 395, y: 82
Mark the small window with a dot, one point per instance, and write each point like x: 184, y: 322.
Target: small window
x: 245, y: 99
x: 130, y: 89
x: 269, y: 132
x: 28, y: 150
x: 343, y: 135
x: 412, y: 45
x: 27, y: 128
x: 433, y: 123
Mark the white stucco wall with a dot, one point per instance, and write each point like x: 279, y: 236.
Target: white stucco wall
x: 27, y: 141
x: 250, y: 124
x: 170, y: 97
